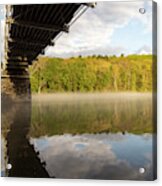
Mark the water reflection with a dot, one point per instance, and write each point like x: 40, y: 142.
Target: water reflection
x: 102, y: 136
x: 92, y: 113
x: 97, y: 156
x: 16, y: 148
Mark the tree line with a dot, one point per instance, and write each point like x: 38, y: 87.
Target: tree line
x: 92, y: 73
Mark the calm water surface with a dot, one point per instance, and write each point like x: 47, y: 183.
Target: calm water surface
x: 91, y: 136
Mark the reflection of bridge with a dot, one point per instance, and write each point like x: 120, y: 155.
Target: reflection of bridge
x: 29, y: 30
x: 19, y: 152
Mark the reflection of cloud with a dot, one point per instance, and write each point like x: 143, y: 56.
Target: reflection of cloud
x: 147, y: 136
x: 87, y: 156
x: 105, y: 137
x: 3, y: 155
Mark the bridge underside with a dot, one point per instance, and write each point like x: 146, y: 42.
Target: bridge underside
x: 29, y: 30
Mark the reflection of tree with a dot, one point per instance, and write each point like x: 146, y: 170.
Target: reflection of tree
x: 113, y: 115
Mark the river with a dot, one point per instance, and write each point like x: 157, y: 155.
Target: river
x: 86, y: 136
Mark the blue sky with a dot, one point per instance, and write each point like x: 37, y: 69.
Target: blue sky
x: 1, y: 12
x: 110, y: 28
x: 2, y: 15
x: 134, y: 36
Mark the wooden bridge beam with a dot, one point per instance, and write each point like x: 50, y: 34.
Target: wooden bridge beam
x: 16, y: 67
x: 15, y: 76
x: 20, y: 59
x: 45, y: 27
x: 27, y: 42
x: 18, y: 62
x: 22, y: 52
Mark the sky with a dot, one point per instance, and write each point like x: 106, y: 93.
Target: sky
x: 111, y: 28
x: 2, y: 16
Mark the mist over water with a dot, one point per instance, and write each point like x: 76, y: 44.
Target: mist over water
x: 90, y: 96
x: 91, y: 113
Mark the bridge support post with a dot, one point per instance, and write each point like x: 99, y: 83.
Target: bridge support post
x: 15, y: 86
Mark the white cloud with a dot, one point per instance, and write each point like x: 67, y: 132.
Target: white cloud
x: 144, y: 50
x: 94, y: 30
x: 1, y: 11
x: 84, y: 51
x: 2, y: 25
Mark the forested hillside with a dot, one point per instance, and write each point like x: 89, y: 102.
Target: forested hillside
x: 94, y: 73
